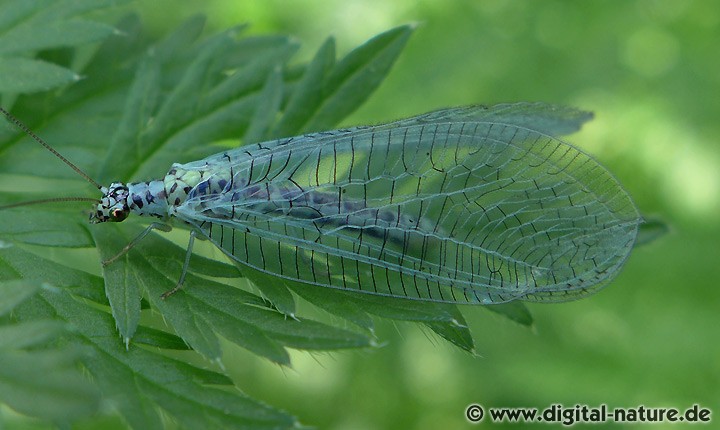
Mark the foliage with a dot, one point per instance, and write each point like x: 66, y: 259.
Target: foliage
x: 142, y: 105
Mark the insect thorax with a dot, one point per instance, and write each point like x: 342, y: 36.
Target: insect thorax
x: 198, y: 182
x: 154, y: 198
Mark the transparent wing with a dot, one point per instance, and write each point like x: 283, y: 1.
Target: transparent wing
x: 468, y: 205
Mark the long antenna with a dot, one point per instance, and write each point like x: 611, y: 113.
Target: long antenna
x: 53, y: 200
x: 37, y: 138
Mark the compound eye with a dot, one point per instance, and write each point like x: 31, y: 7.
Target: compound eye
x: 119, y: 214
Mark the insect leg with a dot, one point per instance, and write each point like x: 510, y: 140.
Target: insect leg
x: 141, y: 236
x: 186, y: 264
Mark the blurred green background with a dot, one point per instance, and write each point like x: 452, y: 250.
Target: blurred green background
x: 650, y: 71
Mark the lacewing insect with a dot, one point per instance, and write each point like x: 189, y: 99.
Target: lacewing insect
x: 476, y: 205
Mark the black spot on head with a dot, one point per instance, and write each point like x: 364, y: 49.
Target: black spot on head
x: 137, y: 200
x: 187, y: 189
x: 173, y: 187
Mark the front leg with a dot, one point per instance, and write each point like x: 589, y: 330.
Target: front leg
x: 138, y: 238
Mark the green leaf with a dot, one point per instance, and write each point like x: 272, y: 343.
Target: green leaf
x: 177, y: 42
x: 15, y: 292
x: 34, y: 270
x: 39, y: 382
x: 347, y: 309
x: 205, y: 308
x: 140, y: 104
x: 291, y: 332
x: 224, y: 111
x: 158, y: 338
x: 31, y: 333
x: 267, y: 108
x: 354, y: 78
x: 53, y: 227
x: 276, y: 292
x: 445, y: 320
x: 180, y: 105
x: 45, y: 384
x: 333, y: 301
x: 223, y: 307
x: 190, y: 323
x: 133, y: 381
x: 515, y: 311
x: 455, y: 333
x: 29, y: 26
x: 121, y: 282
x: 53, y: 35
x: 308, y: 94
x: 652, y: 229
x: 130, y: 378
x: 251, y: 74
x: 27, y: 75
